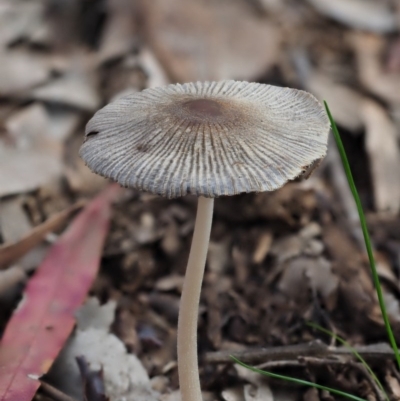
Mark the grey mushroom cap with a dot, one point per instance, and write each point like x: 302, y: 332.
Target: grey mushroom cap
x: 207, y: 138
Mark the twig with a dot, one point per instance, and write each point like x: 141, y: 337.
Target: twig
x: 51, y: 391
x: 292, y: 352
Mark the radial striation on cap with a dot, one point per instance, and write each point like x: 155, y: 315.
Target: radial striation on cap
x: 207, y: 138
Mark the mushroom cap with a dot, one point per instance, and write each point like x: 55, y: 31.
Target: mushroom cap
x: 207, y: 138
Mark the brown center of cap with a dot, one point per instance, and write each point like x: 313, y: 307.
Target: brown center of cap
x: 204, y: 107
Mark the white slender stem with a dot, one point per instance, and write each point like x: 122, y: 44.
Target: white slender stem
x: 189, y: 306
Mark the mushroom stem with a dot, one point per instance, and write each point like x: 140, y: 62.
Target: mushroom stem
x: 189, y: 306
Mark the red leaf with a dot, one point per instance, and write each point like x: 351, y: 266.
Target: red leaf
x: 44, y: 319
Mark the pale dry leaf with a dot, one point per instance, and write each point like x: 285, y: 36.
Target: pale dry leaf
x: 74, y: 89
x: 288, y: 247
x: 171, y: 243
x: 248, y: 375
x: 218, y: 256
x: 41, y: 34
x: 385, y: 269
x: 29, y: 128
x: 384, y: 156
x: 370, y: 15
x: 304, y: 272
x: 173, y: 396
x: 18, y: 19
x: 160, y: 383
x: 344, y: 102
x: 62, y: 123
x: 156, y: 76
x: 20, y: 71
x: 210, y: 40
x: 14, y: 222
x: 31, y: 157
x: 23, y: 171
x: 125, y: 378
x: 170, y: 283
x: 311, y: 230
x: 233, y: 394
x: 260, y: 392
x: 41, y: 127
x: 392, y: 306
x: 96, y: 316
x: 314, y: 247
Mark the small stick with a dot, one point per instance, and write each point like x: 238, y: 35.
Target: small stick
x: 292, y: 352
x: 51, y: 391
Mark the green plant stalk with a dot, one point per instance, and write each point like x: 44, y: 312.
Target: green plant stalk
x: 298, y: 381
x: 367, y: 240
x: 355, y: 353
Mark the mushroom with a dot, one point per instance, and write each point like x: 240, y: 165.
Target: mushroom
x: 207, y: 139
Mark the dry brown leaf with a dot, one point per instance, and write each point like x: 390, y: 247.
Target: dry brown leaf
x: 369, y: 48
x: 210, y: 39
x: 394, y: 385
x: 18, y: 19
x: 371, y: 15
x: 393, y: 57
x: 311, y: 395
x: 384, y: 156
x: 263, y: 246
x: 170, y: 283
x: 356, y: 288
x: 118, y: 37
x: 11, y: 252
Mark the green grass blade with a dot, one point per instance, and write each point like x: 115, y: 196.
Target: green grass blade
x: 366, y: 235
x: 298, y: 381
x: 355, y: 353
